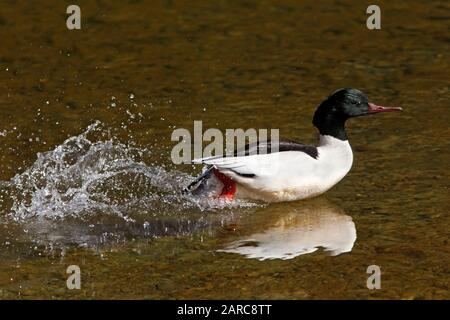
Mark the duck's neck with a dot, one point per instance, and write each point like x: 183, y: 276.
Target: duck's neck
x: 329, y: 126
x: 329, y: 121
x: 335, y: 159
x: 330, y: 141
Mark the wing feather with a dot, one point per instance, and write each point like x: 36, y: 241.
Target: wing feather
x: 274, y: 165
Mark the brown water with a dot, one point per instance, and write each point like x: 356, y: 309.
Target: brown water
x: 108, y: 198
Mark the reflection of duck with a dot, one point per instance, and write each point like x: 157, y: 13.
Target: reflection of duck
x: 303, y: 229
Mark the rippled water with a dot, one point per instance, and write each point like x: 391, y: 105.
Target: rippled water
x: 105, y: 190
x: 85, y: 170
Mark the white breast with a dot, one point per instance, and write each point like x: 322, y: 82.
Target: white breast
x: 335, y: 161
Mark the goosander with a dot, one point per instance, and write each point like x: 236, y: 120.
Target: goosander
x: 292, y: 171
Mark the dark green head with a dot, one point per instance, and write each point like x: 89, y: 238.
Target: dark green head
x: 341, y: 105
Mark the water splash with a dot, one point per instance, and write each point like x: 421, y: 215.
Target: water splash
x: 93, y: 184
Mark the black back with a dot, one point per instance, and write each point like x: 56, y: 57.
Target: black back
x: 267, y: 147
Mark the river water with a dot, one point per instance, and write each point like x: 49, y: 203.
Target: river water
x: 85, y: 171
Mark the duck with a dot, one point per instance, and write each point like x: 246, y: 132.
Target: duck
x: 289, y: 170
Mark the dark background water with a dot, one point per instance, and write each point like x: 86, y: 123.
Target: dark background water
x: 143, y: 68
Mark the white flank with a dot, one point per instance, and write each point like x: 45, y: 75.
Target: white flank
x: 289, y: 175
